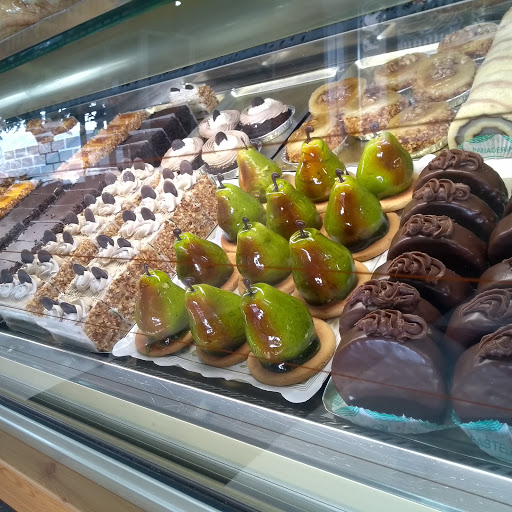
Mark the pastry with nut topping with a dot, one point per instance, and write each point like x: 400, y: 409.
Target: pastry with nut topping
x: 399, y: 73
x: 473, y: 41
x: 332, y: 98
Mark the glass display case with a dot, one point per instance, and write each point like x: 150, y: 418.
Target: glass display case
x: 258, y: 257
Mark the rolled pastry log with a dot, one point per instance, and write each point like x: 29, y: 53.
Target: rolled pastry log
x: 488, y: 109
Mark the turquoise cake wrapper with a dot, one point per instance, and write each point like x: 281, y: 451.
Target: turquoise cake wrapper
x: 378, y: 421
x: 491, y: 436
x: 489, y: 146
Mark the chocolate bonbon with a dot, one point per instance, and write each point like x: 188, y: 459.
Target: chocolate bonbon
x: 497, y: 276
x: 500, y: 242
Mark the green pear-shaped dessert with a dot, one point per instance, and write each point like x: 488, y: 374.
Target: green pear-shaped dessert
x: 216, y: 321
x: 201, y: 260
x: 385, y: 169
x: 316, y: 173
x: 160, y: 314
x: 323, y: 271
x: 278, y: 327
x: 255, y: 172
x: 232, y: 205
x: 286, y: 205
x: 261, y: 254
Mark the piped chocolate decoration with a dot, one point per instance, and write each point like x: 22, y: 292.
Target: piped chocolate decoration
x: 170, y: 188
x: 177, y: 232
x: 393, y: 324
x: 186, y: 168
x: 177, y: 144
x: 110, y: 178
x: 99, y: 273
x: 48, y: 303
x: 275, y: 176
x: 6, y: 277
x: 189, y: 87
x: 89, y: 200
x: 247, y: 284
x: 442, y: 190
x: 497, y: 346
x: 44, y: 256
x: 129, y: 215
x: 104, y: 241
x: 147, y: 214
x: 147, y: 191
x: 139, y: 164
x: 417, y: 265
x: 189, y: 281
x: 27, y: 256
x: 78, y: 269
x: 126, y: 163
x: 49, y: 236
x: 71, y: 218
x: 23, y: 277
x: 219, y: 137
x: 309, y: 130
x: 300, y: 226
x: 68, y: 309
x: 67, y: 238
x: 432, y: 226
x: 175, y: 89
x: 495, y: 304
x: 128, y: 176
x: 215, y: 114
x: 455, y: 159
x: 257, y: 101
x: 122, y: 242
x: 167, y: 174
x: 382, y: 294
x: 108, y: 198
x: 89, y: 216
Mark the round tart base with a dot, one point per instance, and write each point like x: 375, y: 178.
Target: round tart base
x: 334, y: 309
x: 302, y: 372
x: 394, y: 203
x: 141, y: 340
x: 228, y: 246
x: 285, y: 286
x: 231, y: 284
x: 379, y: 246
x: 223, y: 361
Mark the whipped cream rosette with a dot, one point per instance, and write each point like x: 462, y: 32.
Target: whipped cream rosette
x: 115, y: 253
x: 219, y: 122
x: 87, y: 225
x: 220, y: 152
x: 106, y: 205
x: 164, y: 199
x: 138, y: 167
x: 188, y: 149
x: 140, y: 226
x: 43, y: 266
x: 89, y: 282
x: 62, y: 244
x: 263, y: 116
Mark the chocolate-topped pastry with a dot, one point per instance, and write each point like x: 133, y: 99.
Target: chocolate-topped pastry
x: 482, y: 315
x: 482, y: 382
x: 380, y: 294
x: 438, y: 235
x: 469, y: 168
x: 437, y: 284
x: 388, y: 363
x: 500, y: 242
x: 455, y: 200
x: 497, y: 276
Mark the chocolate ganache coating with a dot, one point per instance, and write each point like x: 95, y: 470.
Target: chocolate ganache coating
x: 380, y: 294
x: 508, y: 208
x: 442, y: 238
x: 437, y: 284
x: 388, y: 363
x: 482, y: 315
x: 482, y: 382
x: 500, y: 242
x: 443, y: 197
x: 469, y: 168
x: 497, y: 276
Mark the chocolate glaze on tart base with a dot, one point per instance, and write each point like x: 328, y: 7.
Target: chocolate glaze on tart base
x: 500, y: 241
x: 497, y: 276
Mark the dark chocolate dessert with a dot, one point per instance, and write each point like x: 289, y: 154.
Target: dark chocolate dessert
x: 91, y: 184
x: 263, y: 116
x: 380, y: 294
x: 156, y: 138
x: 170, y: 124
x: 508, y: 208
x: 439, y: 236
x: 443, y: 197
x: 469, y: 168
x: 482, y: 383
x: 440, y: 286
x: 183, y: 113
x: 388, y: 363
x: 497, y: 276
x: 500, y: 242
x: 482, y: 315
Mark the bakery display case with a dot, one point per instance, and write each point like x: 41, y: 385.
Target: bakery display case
x: 273, y: 273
